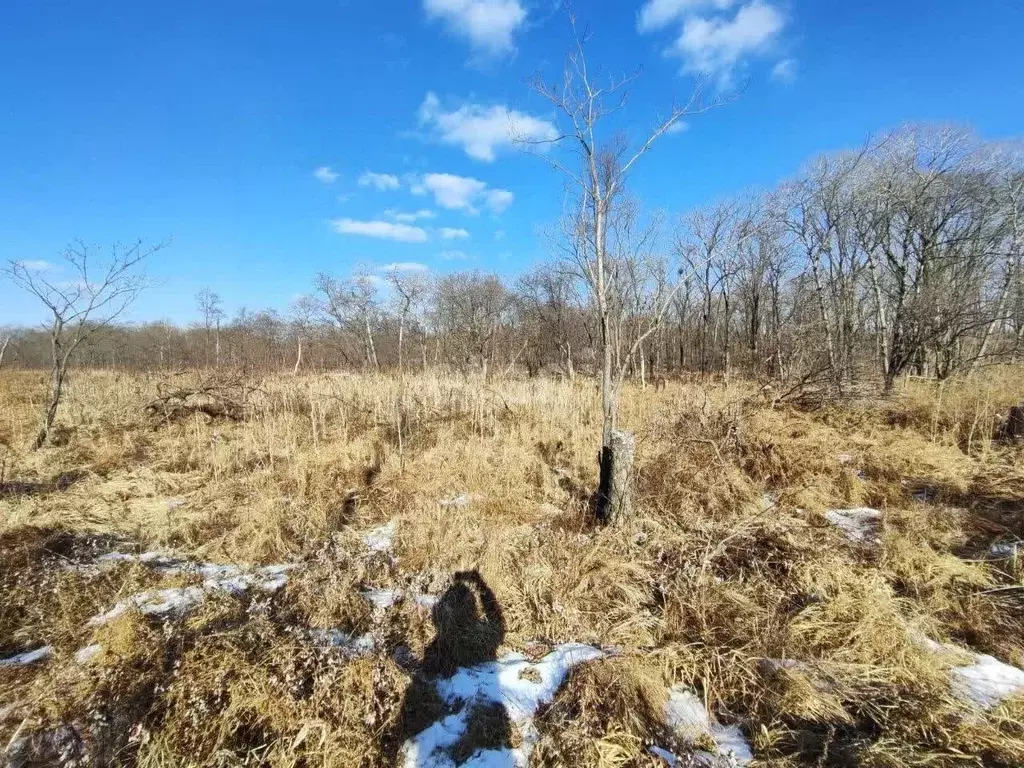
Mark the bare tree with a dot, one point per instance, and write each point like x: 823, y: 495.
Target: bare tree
x: 86, y: 301
x: 303, y: 312
x: 597, y: 172
x: 352, y: 304
x: 3, y: 347
x: 411, y: 287
x: 212, y: 312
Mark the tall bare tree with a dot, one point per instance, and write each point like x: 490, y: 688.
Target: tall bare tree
x: 212, y: 311
x: 82, y: 299
x: 411, y: 288
x: 597, y: 169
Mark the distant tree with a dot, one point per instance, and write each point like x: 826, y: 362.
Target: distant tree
x: 411, y: 288
x: 80, y: 305
x: 303, y: 315
x: 352, y: 303
x: 212, y: 312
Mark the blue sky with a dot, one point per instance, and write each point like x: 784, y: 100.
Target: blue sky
x: 275, y: 140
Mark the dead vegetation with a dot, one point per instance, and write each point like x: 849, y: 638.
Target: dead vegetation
x: 729, y: 579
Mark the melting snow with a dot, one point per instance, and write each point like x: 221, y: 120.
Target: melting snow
x: 858, y: 524
x: 987, y: 681
x: 26, y: 658
x: 176, y: 600
x: 1005, y: 550
x: 380, y: 539
x: 518, y: 684
x: 984, y: 682
x: 88, y: 653
x: 350, y: 645
x: 457, y: 502
x: 686, y: 715
x: 382, y: 598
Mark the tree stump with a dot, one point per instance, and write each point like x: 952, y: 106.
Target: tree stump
x: 615, y: 488
x: 1015, y: 423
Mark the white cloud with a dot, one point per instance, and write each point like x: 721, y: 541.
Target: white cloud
x: 35, y: 265
x: 410, y: 217
x: 387, y: 230
x: 480, y: 130
x: 405, y: 266
x: 454, y: 255
x: 379, y: 180
x: 325, y: 174
x: 659, y: 13
x: 499, y: 199
x: 451, y: 233
x: 679, y: 126
x: 462, y: 193
x: 499, y: 234
x: 715, y: 45
x: 488, y: 25
x: 784, y: 71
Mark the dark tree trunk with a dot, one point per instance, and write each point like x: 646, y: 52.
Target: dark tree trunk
x: 614, y: 498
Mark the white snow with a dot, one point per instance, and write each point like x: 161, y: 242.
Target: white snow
x: 382, y: 598
x: 859, y: 524
x: 457, y: 502
x: 425, y: 600
x: 26, y: 658
x: 380, y: 539
x: 1005, y: 550
x: 519, y: 685
x: 178, y: 600
x: 985, y: 682
x: 686, y: 715
x: 88, y: 653
x: 350, y: 645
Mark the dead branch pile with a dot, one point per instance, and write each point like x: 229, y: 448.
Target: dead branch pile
x: 214, y: 400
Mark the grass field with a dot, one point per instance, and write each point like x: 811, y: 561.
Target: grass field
x: 311, y: 571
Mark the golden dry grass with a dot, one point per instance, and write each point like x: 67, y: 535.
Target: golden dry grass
x: 707, y: 585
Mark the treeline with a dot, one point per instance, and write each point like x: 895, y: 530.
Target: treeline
x: 903, y: 257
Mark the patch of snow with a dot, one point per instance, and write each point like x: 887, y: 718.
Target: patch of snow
x: 519, y: 685
x: 1005, y: 550
x: 88, y: 653
x: 844, y: 458
x: 457, y: 502
x: 350, y: 645
x: 173, y: 504
x: 985, y: 682
x: 687, y: 716
x: 178, y: 600
x: 859, y: 524
x: 157, y: 602
x: 664, y: 754
x: 28, y: 657
x: 380, y: 539
x: 427, y: 748
x: 382, y: 598
x: 426, y: 601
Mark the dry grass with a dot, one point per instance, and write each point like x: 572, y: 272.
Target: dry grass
x: 706, y: 586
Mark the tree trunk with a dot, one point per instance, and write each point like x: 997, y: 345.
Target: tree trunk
x: 3, y: 349
x: 298, y: 358
x: 401, y: 338
x: 57, y: 374
x: 371, y: 352
x: 614, y: 501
